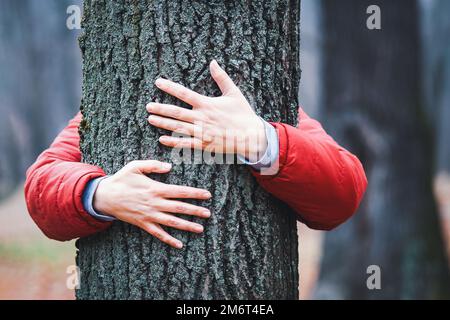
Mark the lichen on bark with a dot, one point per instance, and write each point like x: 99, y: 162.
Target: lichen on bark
x: 249, y: 247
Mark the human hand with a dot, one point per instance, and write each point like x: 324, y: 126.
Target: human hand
x: 132, y: 197
x: 225, y: 124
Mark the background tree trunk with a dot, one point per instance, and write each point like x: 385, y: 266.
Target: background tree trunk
x: 436, y: 87
x: 372, y: 105
x: 249, y: 248
x: 436, y: 69
x: 40, y: 80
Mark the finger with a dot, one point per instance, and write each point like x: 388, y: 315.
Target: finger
x: 226, y: 85
x: 149, y: 166
x: 182, y: 143
x: 176, y: 223
x: 159, y: 233
x: 172, y: 111
x: 174, y: 206
x: 180, y: 92
x: 172, y: 125
x: 182, y: 192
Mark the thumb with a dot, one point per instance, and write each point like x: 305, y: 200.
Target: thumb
x: 226, y: 85
x: 149, y: 166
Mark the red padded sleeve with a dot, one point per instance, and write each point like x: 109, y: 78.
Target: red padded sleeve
x: 54, y: 188
x: 320, y: 180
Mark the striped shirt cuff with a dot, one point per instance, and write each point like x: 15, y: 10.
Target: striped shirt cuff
x: 88, y: 200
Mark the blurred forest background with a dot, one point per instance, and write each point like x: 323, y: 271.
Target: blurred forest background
x: 384, y: 94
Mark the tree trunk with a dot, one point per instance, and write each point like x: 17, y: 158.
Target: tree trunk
x: 249, y: 247
x: 372, y: 106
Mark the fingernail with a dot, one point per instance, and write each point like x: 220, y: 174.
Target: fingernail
x: 207, y: 213
x: 159, y: 82
x: 217, y: 64
x: 198, y: 228
x: 214, y: 64
x: 207, y: 195
x: 163, y: 139
x: 149, y: 107
x: 167, y: 166
x: 179, y: 244
x: 151, y: 119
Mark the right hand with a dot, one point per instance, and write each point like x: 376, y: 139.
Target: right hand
x: 132, y: 197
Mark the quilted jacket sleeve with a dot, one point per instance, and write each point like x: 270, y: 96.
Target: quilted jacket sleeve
x: 320, y: 180
x: 54, y: 187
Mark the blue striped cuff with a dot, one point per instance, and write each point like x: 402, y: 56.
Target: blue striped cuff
x: 88, y: 200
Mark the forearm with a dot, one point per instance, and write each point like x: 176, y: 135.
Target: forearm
x: 53, y: 194
x: 320, y: 180
x: 54, y: 187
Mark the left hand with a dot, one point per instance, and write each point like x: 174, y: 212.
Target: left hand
x: 225, y: 124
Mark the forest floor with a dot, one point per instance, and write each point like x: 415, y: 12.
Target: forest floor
x: 31, y: 266
x: 34, y: 267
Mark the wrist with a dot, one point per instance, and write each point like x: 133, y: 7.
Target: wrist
x: 100, y: 201
x: 255, y: 143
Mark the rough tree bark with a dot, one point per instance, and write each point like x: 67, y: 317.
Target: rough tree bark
x: 249, y: 248
x: 372, y: 105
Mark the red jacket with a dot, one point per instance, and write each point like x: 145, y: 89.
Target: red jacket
x: 320, y: 180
